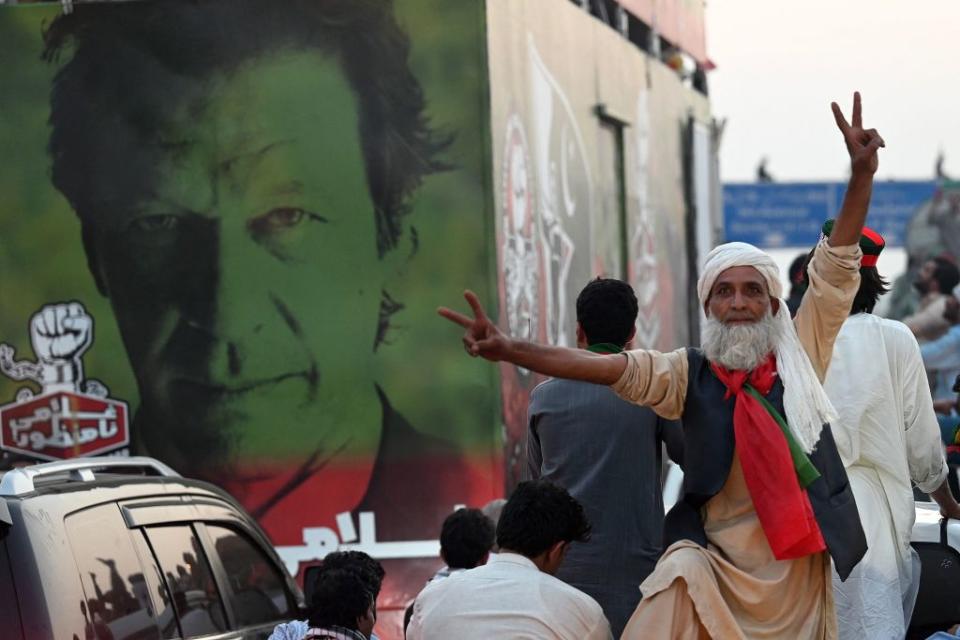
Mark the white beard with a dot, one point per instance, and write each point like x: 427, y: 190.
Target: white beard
x: 739, y: 347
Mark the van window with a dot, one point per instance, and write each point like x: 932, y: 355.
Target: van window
x: 259, y: 590
x: 116, y: 601
x: 189, y: 579
x: 157, y: 588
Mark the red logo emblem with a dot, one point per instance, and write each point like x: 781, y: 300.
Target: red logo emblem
x: 64, y: 425
x: 71, y: 416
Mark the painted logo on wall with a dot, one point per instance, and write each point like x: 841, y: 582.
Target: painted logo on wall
x: 521, y: 258
x: 72, y: 415
x: 565, y: 195
x: 645, y: 270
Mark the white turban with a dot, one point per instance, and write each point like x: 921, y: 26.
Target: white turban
x: 805, y: 403
x: 738, y: 254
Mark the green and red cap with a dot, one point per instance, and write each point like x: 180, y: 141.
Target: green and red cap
x: 871, y: 243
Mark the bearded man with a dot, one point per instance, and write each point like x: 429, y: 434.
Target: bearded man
x: 766, y: 500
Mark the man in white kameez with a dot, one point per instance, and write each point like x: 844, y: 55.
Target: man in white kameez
x: 887, y: 436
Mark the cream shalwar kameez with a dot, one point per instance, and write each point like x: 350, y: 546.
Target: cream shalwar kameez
x: 734, y: 588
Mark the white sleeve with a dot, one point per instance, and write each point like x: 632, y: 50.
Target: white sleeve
x: 928, y: 468
x: 293, y: 630
x: 601, y: 630
x: 415, y: 630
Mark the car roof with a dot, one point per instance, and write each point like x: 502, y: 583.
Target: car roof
x: 85, y: 482
x: 24, y: 480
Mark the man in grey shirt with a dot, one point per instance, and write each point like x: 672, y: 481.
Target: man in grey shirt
x: 606, y: 452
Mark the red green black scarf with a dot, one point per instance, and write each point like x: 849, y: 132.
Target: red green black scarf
x: 775, y: 468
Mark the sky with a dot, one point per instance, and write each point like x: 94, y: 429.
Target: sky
x: 781, y: 62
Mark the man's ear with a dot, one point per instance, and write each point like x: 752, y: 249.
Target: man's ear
x: 366, y: 622
x: 550, y: 560
x: 555, y: 553
x: 774, y: 305
x: 581, y: 335
x: 89, y: 236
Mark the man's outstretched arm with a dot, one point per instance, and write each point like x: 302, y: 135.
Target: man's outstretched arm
x: 482, y: 338
x: 862, y: 145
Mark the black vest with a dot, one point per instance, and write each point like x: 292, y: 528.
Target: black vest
x: 708, y: 454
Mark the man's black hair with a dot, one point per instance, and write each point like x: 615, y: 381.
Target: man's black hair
x: 369, y: 570
x: 340, y: 598
x: 946, y: 274
x: 796, y: 270
x: 872, y: 286
x: 132, y: 64
x: 465, y: 538
x: 798, y: 282
x: 538, y: 515
x: 607, y: 311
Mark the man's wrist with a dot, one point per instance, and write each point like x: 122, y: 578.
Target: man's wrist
x: 510, y: 348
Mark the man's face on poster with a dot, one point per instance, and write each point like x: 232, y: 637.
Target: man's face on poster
x: 247, y: 275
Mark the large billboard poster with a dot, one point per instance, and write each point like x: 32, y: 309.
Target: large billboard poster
x: 225, y: 227
x: 564, y: 121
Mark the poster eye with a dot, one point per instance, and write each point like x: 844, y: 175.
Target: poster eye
x: 155, y: 223
x: 285, y: 217
x: 281, y: 218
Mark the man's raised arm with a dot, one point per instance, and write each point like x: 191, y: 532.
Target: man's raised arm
x: 862, y: 145
x: 483, y: 338
x: 834, y: 271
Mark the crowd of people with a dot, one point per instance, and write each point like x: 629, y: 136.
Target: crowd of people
x: 802, y: 430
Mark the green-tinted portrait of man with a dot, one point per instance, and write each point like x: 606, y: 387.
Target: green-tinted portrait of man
x: 242, y: 171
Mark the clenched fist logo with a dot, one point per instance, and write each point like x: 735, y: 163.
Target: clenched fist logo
x: 61, y: 332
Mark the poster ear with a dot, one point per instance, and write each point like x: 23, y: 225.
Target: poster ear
x: 395, y: 261
x: 395, y: 281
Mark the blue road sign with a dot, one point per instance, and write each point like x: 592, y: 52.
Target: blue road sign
x: 772, y: 215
